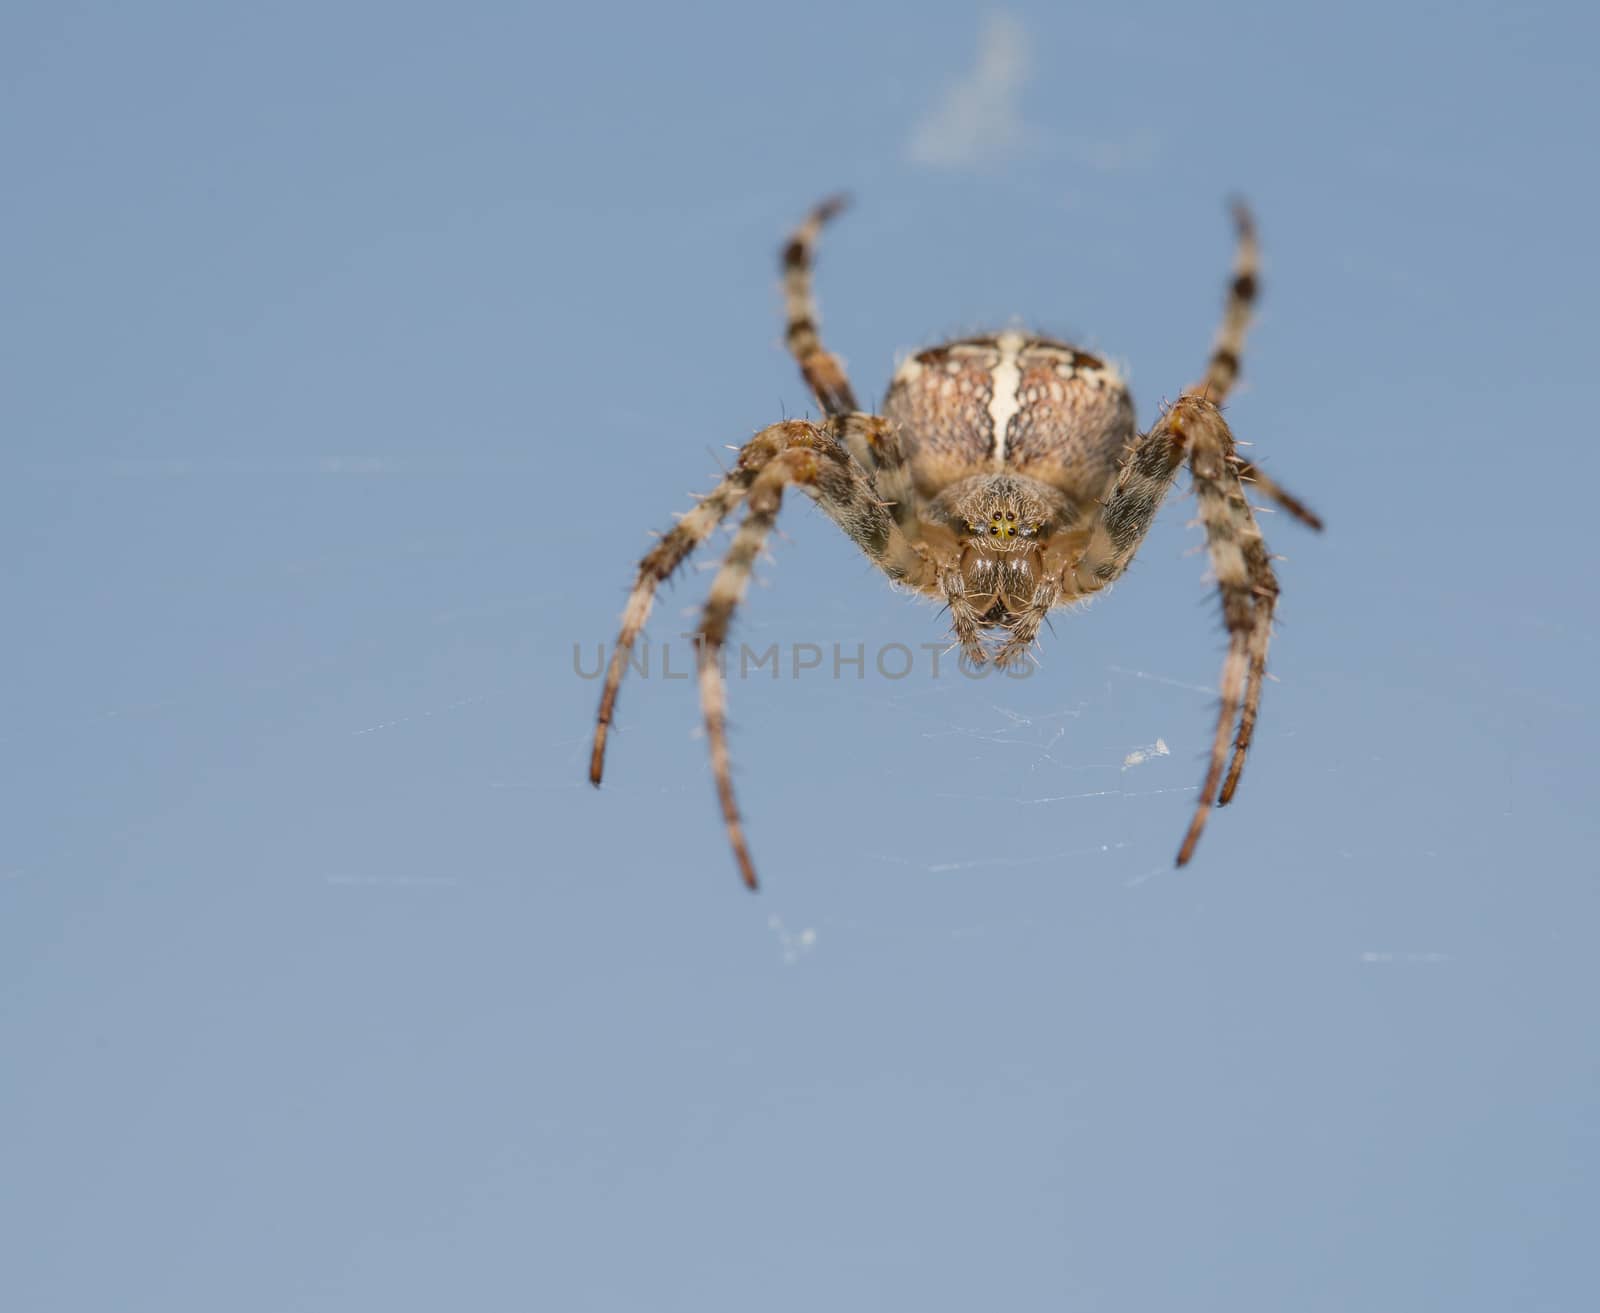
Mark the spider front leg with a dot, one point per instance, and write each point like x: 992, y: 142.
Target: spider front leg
x: 727, y: 590
x: 1194, y: 428
x: 668, y: 554
x: 792, y: 452
x: 660, y: 562
x: 844, y: 492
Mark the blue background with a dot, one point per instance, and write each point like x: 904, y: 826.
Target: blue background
x: 352, y: 351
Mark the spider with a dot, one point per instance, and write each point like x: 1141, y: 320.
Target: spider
x: 1005, y: 477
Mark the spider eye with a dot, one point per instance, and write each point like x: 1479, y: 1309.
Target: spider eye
x: 1027, y: 531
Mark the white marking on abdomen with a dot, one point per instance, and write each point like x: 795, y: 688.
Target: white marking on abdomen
x: 1006, y: 399
x: 909, y: 372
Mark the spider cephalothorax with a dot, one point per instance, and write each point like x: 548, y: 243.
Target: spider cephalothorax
x: 1005, y: 476
x: 995, y: 540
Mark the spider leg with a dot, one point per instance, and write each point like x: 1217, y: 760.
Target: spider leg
x: 667, y: 555
x: 1250, y: 472
x: 1222, y: 371
x: 1195, y: 427
x: 1265, y: 585
x: 843, y: 490
x: 658, y: 564
x: 871, y: 440
x: 1143, y: 480
x: 796, y: 465
x: 1244, y: 580
x: 850, y: 495
x: 823, y: 372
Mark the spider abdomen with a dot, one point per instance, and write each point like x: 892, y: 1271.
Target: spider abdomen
x: 1013, y: 402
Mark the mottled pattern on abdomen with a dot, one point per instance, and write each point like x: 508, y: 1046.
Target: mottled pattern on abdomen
x: 1073, y: 419
x: 1013, y: 402
x: 938, y: 406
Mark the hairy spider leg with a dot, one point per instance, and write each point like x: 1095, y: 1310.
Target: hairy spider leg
x: 1222, y: 370
x: 823, y: 371
x: 838, y: 484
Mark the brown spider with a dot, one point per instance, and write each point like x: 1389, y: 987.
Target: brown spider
x: 1005, y: 476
